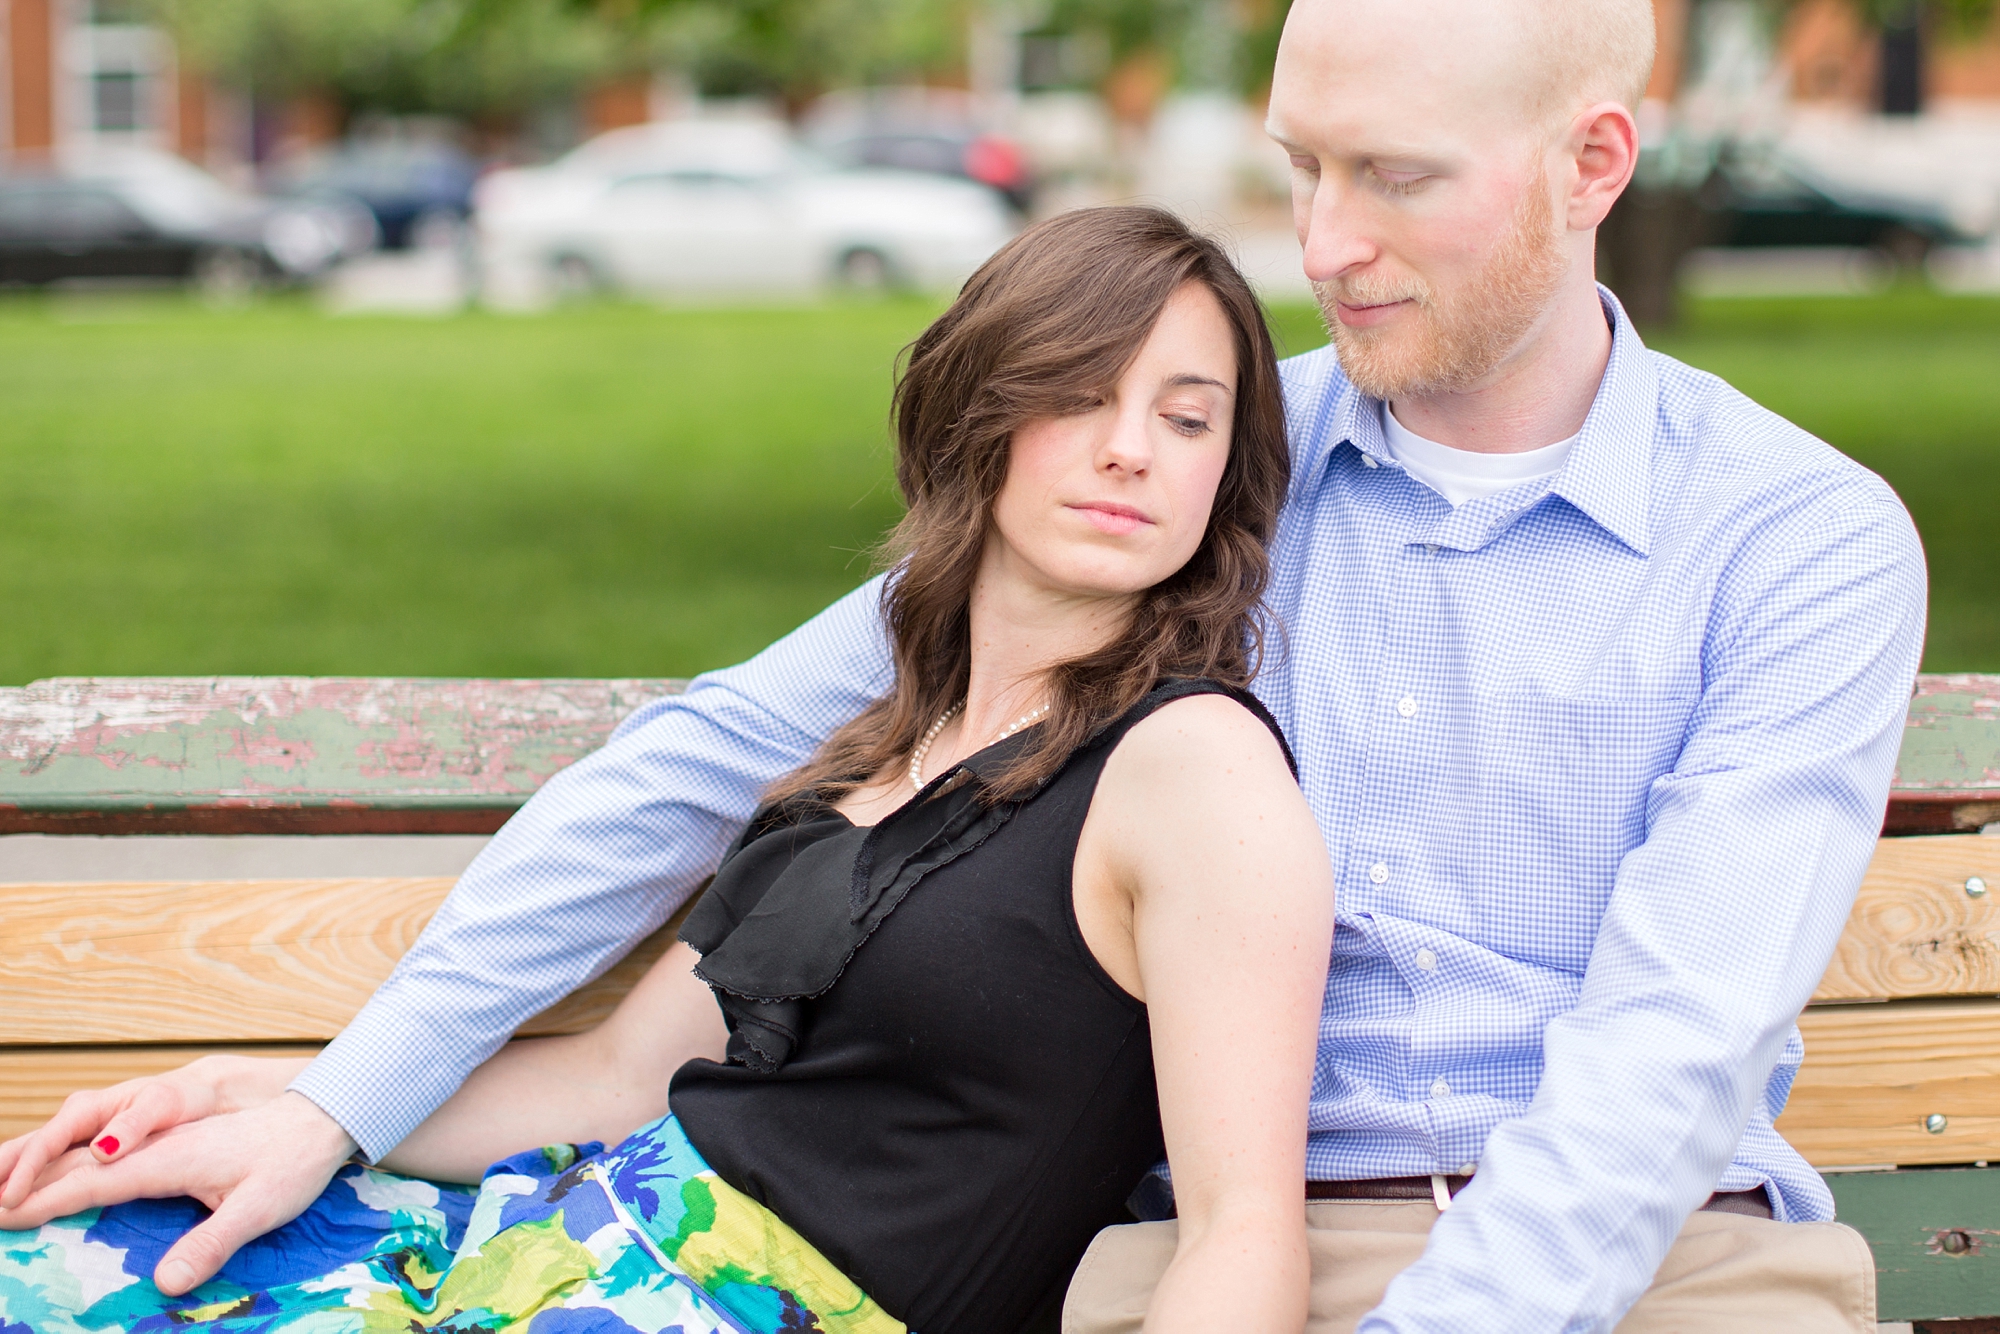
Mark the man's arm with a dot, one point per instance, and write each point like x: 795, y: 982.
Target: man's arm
x: 594, y: 862
x: 1718, y: 929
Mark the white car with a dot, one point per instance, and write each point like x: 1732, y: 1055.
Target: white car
x: 726, y: 207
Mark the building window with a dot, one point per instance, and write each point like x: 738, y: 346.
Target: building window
x: 116, y: 105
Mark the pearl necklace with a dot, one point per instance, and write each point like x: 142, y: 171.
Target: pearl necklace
x: 923, y: 749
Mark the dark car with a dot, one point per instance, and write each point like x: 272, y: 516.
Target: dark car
x: 164, y: 224
x: 419, y: 191
x: 1755, y: 199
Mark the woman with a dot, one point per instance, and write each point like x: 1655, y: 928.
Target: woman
x: 1052, y: 906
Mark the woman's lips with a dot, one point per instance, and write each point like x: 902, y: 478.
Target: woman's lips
x: 1117, y: 520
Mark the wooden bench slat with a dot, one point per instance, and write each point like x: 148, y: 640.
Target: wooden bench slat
x: 35, y: 1080
x: 1905, y: 1216
x: 1948, y: 769
x: 386, y: 755
x: 1873, y: 1073
x: 227, y: 961
x: 1915, y: 931
x: 293, y: 755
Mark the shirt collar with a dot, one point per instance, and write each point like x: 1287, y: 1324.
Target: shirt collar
x: 1610, y: 468
x: 1608, y: 473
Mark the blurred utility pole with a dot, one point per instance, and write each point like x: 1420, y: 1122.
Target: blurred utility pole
x: 1901, y: 82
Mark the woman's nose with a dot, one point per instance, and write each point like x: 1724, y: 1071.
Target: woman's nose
x: 1128, y: 446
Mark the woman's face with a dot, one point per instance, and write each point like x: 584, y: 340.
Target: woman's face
x: 1111, y: 501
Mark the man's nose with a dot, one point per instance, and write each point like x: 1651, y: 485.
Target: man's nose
x: 1335, y: 239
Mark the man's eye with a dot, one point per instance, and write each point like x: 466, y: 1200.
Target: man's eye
x: 1399, y: 183
x: 1302, y: 163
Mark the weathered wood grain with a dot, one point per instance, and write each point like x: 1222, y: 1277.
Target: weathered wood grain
x: 35, y: 1080
x: 226, y: 961
x: 1873, y: 1073
x: 1914, y: 930
x: 248, y: 754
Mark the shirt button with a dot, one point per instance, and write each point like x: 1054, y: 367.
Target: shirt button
x: 1368, y: 462
x: 1379, y: 873
x: 1440, y: 1089
x: 1407, y: 707
x: 1427, y: 961
x: 1431, y: 548
x: 1467, y: 1169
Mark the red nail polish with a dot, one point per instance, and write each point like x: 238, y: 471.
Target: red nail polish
x: 108, y: 1145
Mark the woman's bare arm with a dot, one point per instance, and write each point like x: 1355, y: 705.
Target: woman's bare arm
x: 1201, y: 841
x: 599, y: 1085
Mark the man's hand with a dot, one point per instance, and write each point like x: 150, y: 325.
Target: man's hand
x: 117, y: 1120
x: 256, y: 1169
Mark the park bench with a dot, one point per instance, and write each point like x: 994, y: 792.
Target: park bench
x: 1898, y: 1102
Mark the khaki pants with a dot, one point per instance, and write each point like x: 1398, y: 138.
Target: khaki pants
x: 1726, y: 1274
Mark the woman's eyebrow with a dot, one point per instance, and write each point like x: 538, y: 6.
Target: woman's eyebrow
x: 1187, y: 378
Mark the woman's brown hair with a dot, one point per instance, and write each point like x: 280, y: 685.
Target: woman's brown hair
x: 1044, y: 329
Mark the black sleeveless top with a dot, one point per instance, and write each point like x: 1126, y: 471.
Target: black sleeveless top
x: 929, y: 1075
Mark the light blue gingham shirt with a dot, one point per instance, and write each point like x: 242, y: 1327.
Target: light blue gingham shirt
x: 1599, y: 761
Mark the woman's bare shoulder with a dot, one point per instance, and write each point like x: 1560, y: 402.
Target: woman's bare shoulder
x: 1206, y: 729
x: 1199, y: 749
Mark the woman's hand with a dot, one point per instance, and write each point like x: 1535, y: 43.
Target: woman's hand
x: 256, y: 1169
x: 1204, y: 888
x: 115, y: 1121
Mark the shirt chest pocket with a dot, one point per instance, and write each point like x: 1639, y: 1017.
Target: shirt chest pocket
x: 1561, y: 794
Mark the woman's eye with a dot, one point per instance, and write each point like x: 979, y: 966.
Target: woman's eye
x: 1188, y: 426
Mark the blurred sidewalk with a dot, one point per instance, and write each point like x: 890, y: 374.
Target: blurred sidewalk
x: 429, y: 281
x: 1831, y: 271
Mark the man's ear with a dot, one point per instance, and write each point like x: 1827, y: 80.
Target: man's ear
x: 1604, y: 145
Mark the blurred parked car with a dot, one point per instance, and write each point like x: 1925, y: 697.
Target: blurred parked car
x: 730, y: 206
x: 1755, y: 198
x: 154, y: 217
x: 419, y: 191
x: 917, y: 130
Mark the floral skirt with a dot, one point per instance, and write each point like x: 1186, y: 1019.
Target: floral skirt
x: 564, y: 1240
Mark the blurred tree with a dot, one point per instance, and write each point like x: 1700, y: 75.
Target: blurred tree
x: 796, y: 48
x: 459, y: 57
x: 1205, y: 43
x: 487, y: 58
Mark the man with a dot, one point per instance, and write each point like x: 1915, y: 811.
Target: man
x: 1596, y: 672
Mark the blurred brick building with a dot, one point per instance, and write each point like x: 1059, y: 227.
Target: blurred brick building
x: 1834, y: 58
x: 91, y: 71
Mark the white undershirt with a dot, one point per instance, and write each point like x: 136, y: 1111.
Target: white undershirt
x: 1460, y: 475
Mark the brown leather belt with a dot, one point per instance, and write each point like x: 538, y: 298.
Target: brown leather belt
x: 1753, y: 1202
x: 1381, y: 1188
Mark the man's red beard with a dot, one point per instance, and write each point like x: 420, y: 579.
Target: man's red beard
x: 1459, y: 336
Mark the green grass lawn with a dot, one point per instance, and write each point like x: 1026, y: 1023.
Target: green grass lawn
x: 618, y: 490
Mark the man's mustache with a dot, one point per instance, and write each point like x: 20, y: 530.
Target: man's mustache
x: 1368, y: 290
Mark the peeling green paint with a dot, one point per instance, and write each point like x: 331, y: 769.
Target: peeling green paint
x: 1921, y: 1272
x: 167, y: 743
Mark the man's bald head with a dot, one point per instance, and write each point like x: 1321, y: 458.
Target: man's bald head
x: 1588, y: 51
x: 1545, y: 59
